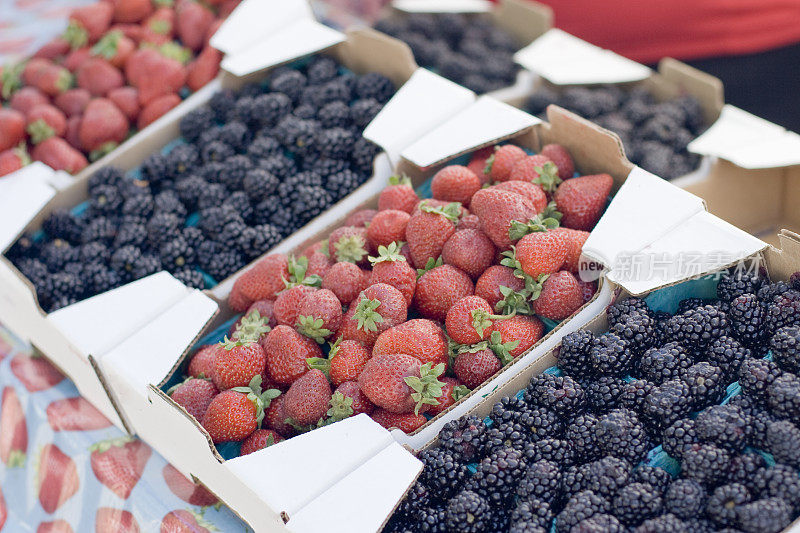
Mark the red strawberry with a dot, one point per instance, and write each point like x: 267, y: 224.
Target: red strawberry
x: 203, y: 361
x: 59, y: 155
x: 307, y: 399
x: 376, y: 309
x: 287, y: 304
x: 213, y: 28
x: 455, y: 183
x: 542, y: 252
x: 496, y: 209
x: 89, y: 23
x: 469, y: 320
x: 237, y: 363
x: 428, y: 230
x: 53, y: 49
x: 345, y: 280
x: 154, y: 75
x: 405, y: 422
x: 225, y: 6
x: 57, y: 478
x: 134, y: 32
x: 194, y: 395
x: 157, y: 108
x: 525, y: 329
x: 400, y: 383
x: 349, y: 244
x: 477, y: 163
x: 452, y: 391
x: 588, y: 289
x: 158, y: 28
x: 115, y: 48
x: 204, y: 68
x: 275, y: 418
x: 98, y: 76
x: 344, y: 363
x: 561, y: 296
x: 469, y: 222
x: 575, y: 240
x: 236, y: 413
x: 581, y: 200
x: 420, y: 338
x: 103, y: 127
x: 118, y: 463
x: 13, y: 430
x: 388, y: 226
x: 470, y: 250
x: 361, y: 404
x: 192, y: 23
x: 45, y: 121
x: 560, y: 156
x: 287, y: 351
x: 534, y: 193
x: 73, y: 101
x: 12, y: 128
x: 76, y: 58
x: 258, y: 440
x: 127, y: 100
x: 56, y: 526
x: 319, y: 264
x: 432, y: 203
x: 52, y: 80
x: 185, y: 521
x: 529, y: 168
x: 3, y: 510
x: 319, y: 315
x: 361, y: 218
x: 12, y: 160
x: 131, y: 10
x: 35, y: 373
x: 24, y: 100
x: 116, y: 520
x: 263, y: 281
x: 34, y: 68
x: 475, y: 367
x: 75, y: 414
x: 439, y: 289
x: 500, y: 164
x: 186, y: 489
x: 392, y: 268
x: 398, y: 195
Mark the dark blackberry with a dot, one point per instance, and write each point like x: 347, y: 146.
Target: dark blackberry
x: 99, y: 229
x: 602, y: 394
x: 581, y: 434
x: 214, y: 219
x: 508, y: 409
x: 417, y: 498
x: 161, y: 228
x: 579, y: 507
x: 468, y: 512
x: 245, y: 111
x: 336, y: 143
x: 606, y: 476
x: 783, y: 442
x: 784, y: 310
x: 625, y: 308
x: 779, y: 481
x: 756, y: 375
x: 56, y: 253
x: 94, y: 252
x: 196, y: 122
x: 573, y: 480
x: 155, y: 168
x: 696, y: 329
x: 61, y: 224
x: 236, y: 135
x: 748, y: 320
x: 610, y: 355
x: 706, y: 383
x: 463, y: 438
x: 224, y: 263
x: 334, y: 115
x: 263, y: 147
x: 123, y: 261
x: 288, y: 189
x: 134, y: 187
x: 102, y: 279
x: 785, y: 345
x: 342, y: 183
x: 637, y: 502
x: 638, y: 329
x: 733, y: 284
x: 213, y: 195
x: 230, y: 232
x: 193, y: 236
x: 325, y: 167
x: 504, y: 434
x: 105, y: 200
x: 284, y: 220
x: 296, y: 134
x: 259, y: 184
x: 685, y: 498
x: 190, y: 277
x: 667, y: 403
x: 290, y: 83
x: 108, y: 175
x: 758, y: 421
x: 168, y: 202
x: 240, y: 204
x: 140, y: 205
x: 442, y: 472
x: 665, y: 363
x: 305, y: 111
x: 723, y: 425
x: 431, y: 520
x: 335, y: 90
x: 783, y: 397
x: 768, y: 291
x: 573, y: 355
x: 666, y: 523
x: 309, y: 202
x: 557, y: 450
x: 728, y: 354
x: 363, y: 155
x: 542, y: 480
x: 532, y: 511
x: 33, y: 269
x: 221, y: 104
x: 321, y: 69
x: 175, y: 253
x: 621, y: 434
x: 134, y: 234
x: 374, y: 85
x: 363, y: 111
x: 599, y: 523
x: 256, y: 240
x: 181, y: 160
x: 279, y: 166
x: 705, y: 463
x: 633, y: 394
x: 563, y: 395
x: 497, y: 475
x: 61, y: 302
x: 540, y: 422
x: 658, y: 478
x: 768, y: 515
x: 236, y: 168
x: 215, y: 152
x: 723, y: 502
x: 744, y: 467
x: 537, y: 386
x: 189, y: 189
x: 456, y: 67
x: 689, y: 304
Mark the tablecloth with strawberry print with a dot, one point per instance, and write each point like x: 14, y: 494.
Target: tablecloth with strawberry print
x: 65, y: 468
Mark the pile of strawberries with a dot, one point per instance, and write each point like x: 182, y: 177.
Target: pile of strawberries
x: 119, y: 66
x: 403, y: 310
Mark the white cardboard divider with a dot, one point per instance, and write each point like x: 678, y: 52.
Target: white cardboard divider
x: 564, y: 59
x: 748, y: 141
x: 362, y: 500
x: 443, y: 6
x: 253, y: 19
x: 22, y: 195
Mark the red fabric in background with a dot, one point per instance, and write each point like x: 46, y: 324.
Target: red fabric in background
x: 647, y: 30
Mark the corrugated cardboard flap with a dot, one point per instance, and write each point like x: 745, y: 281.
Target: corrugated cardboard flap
x: 564, y: 59
x: 748, y: 141
x: 443, y: 6
x: 22, y: 195
x: 654, y: 234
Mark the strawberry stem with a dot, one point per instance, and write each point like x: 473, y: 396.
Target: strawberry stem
x: 252, y: 327
x: 367, y: 314
x: 39, y: 130
x: 390, y: 253
x: 427, y: 387
x: 313, y: 328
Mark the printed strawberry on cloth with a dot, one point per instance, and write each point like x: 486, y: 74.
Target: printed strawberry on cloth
x: 65, y: 468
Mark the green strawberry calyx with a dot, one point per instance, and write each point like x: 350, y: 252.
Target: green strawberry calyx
x: 427, y: 387
x: 11, y: 79
x: 460, y: 391
x: 298, y: 267
x: 430, y: 265
x: 367, y: 314
x: 548, y: 219
x: 482, y: 320
x: 548, y: 177
x: 533, y: 287
x: 487, y: 168
x: 502, y: 349
x: 16, y: 459
x: 76, y: 35
x: 515, y: 302
x: 323, y: 249
x: 201, y: 377
x: 252, y: 327
x: 201, y: 520
x: 107, y: 45
x: 351, y: 248
x: 401, y: 179
x: 390, y: 253
x: 451, y: 211
x: 104, y: 149
x: 323, y: 364
x: 105, y: 445
x: 39, y: 130
x: 341, y: 407
x: 261, y: 399
x: 313, y: 328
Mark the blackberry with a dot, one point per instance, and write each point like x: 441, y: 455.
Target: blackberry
x: 626, y: 308
x: 363, y: 155
x: 336, y: 143
x: 309, y: 202
x: 193, y: 236
x: 222, y: 103
x: 105, y: 200
x: 99, y: 229
x: 580, y: 507
x: 168, y: 202
x: 783, y: 442
x: 658, y: 478
x: 463, y: 438
x: 61, y: 224
x: 236, y: 135
x: 256, y: 240
x: 56, y: 253
x: 123, y: 261
x: 176, y: 253
x: 698, y: 328
x: 667, y: 403
x: 610, y: 355
x: 784, y: 310
x: 573, y: 355
x: 259, y: 184
x: 189, y: 189
x: 417, y: 499
x: 723, y: 425
x: 756, y: 375
x: 342, y: 183
x: 146, y: 265
x: 237, y: 168
x: 723, y: 502
x: 325, y: 167
x: 134, y: 187
x: 284, y: 220
x: 748, y: 320
x: 238, y: 203
x: 279, y: 166
x: 706, y: 383
x: 532, y: 511
x: 102, y: 279
x: 181, y: 160
x: 214, y: 219
x: 563, y: 395
x: 506, y: 434
x: 666, y: 523
x: 540, y: 422
x: 685, y: 498
x: 573, y: 480
x: 689, y: 304
x: 705, y: 463
x: 33, y: 269
x: 633, y: 394
x: 161, y: 228
x: 665, y: 363
x: 190, y: 277
x: 134, y: 234
x: 288, y: 189
x: 140, y: 205
x: 431, y: 520
x: 768, y: 515
x: 638, y: 329
x: 468, y: 512
x: 215, y: 152
x: 107, y: 175
x: 768, y: 291
x: 296, y: 134
x: 602, y: 394
x: 362, y: 111
x: 728, y: 354
x: 442, y: 472
x: 785, y: 344
x: 94, y: 252
x: 783, y: 397
x: 223, y: 264
x: 196, y: 122
x: 305, y: 111
x: 508, y: 409
x: 245, y: 112
x: 779, y: 481
x: 599, y: 523
x: 606, y: 476
x: 213, y: 195
x: 263, y: 147
x: 744, y: 467
x: 621, y: 434
x: 321, y: 70
x: 581, y: 434
x: 334, y: 115
x: 231, y: 232
x: 733, y: 284
x: 637, y: 502
x: 542, y: 480
x: 375, y: 86
x: 497, y: 475
x: 557, y: 450
x: 332, y: 91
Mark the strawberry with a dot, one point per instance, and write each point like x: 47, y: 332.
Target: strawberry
x: 405, y: 422
x: 469, y: 320
x: 185, y: 521
x: 35, y: 373
x: 275, y: 418
x: 192, y: 23
x: 213, y: 29
x: 561, y: 296
x: 154, y: 74
x: 115, y: 48
x: 433, y: 203
x: 237, y: 363
x: 525, y: 329
x: 258, y: 440
x: 103, y: 127
x: 477, y: 163
x: 72, y: 134
x: 470, y: 250
x: 439, y: 289
x: 56, y: 478
x: 455, y: 183
x: 360, y: 404
x: 319, y: 246
x: 287, y: 351
x: 127, y: 100
x: 13, y: 430
x: 185, y: 489
x: 345, y: 361
x: 52, y: 80
x: 574, y: 240
x: 262, y: 282
x: 542, y: 252
x: 257, y: 321
x: 236, y: 413
x: 34, y: 68
x: 119, y: 463
x: 131, y: 10
x: 561, y: 158
x: 88, y: 23
x: 476, y: 366
x: 12, y: 128
x: 204, y: 68
x: 388, y: 226
x: 116, y: 520
x: 75, y: 414
x: 348, y: 243
x: 401, y: 383
x: 500, y: 164
x: 12, y: 160
x: 307, y: 399
x: 203, y: 360
x: 55, y: 526
x: 158, y: 28
x: 345, y: 280
x: 287, y: 304
x: 428, y: 230
x: 156, y: 109
x: 497, y: 209
x: 392, y: 268
x: 469, y: 222
x: 319, y: 315
x: 24, y: 100
x: 73, y: 102
x: 376, y: 309
x: 420, y: 338
x: 225, y: 6
x: 319, y: 263
x: 398, y: 195
x: 59, y: 155
x: 45, y: 121
x: 588, y: 289
x: 529, y: 168
x: 361, y: 218
x: 452, y: 391
x: 134, y: 32
x: 98, y: 76
x: 76, y: 58
x: 582, y: 200
x: 534, y: 193
x: 53, y: 49
x: 194, y: 395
